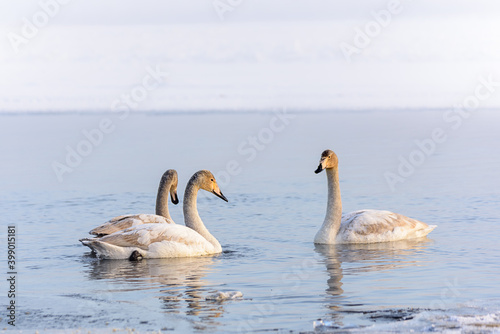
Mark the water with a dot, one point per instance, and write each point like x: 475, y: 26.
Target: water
x: 446, y: 282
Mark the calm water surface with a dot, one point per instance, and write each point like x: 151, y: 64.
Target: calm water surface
x: 448, y: 281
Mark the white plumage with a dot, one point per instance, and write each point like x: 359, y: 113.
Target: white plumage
x: 151, y: 241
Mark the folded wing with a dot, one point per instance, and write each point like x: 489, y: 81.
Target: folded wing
x: 123, y: 222
x: 368, y: 226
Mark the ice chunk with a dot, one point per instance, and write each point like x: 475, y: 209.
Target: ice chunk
x: 220, y: 296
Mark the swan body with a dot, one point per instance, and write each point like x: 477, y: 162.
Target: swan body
x: 153, y: 240
x: 369, y: 226
x: 364, y: 226
x: 168, y: 183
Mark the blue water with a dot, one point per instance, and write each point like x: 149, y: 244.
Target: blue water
x: 446, y: 282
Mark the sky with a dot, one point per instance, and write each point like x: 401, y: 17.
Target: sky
x: 69, y: 55
x: 191, y: 11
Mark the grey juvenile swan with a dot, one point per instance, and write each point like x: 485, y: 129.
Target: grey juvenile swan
x: 365, y: 226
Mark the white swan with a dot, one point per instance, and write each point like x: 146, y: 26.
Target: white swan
x: 365, y: 226
x: 168, y: 184
x: 165, y: 240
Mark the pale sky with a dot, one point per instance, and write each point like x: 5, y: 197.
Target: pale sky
x: 263, y: 54
x: 167, y: 11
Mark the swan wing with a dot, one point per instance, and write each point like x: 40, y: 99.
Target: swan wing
x: 145, y: 235
x: 122, y: 222
x: 152, y: 241
x: 367, y: 226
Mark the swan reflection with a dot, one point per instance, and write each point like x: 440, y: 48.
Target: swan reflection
x: 179, y: 283
x: 345, y: 260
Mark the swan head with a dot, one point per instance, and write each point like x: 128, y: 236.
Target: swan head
x: 328, y: 160
x: 170, y: 178
x: 206, y: 181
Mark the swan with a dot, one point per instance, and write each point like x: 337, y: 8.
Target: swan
x: 165, y: 240
x: 168, y: 184
x: 364, y: 226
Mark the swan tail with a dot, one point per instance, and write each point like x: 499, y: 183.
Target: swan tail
x: 87, y: 241
x: 92, y: 243
x: 423, y: 232
x: 430, y: 228
x: 105, y: 250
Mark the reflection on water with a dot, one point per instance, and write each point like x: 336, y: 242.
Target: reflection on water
x: 363, y: 258
x: 180, y: 282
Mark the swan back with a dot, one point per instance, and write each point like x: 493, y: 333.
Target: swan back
x: 122, y: 222
x: 368, y: 226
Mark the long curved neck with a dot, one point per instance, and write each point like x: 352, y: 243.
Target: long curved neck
x: 333, y: 218
x: 162, y: 199
x: 192, y: 218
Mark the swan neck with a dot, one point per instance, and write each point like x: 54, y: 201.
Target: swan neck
x: 333, y: 217
x: 191, y: 217
x: 162, y: 199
